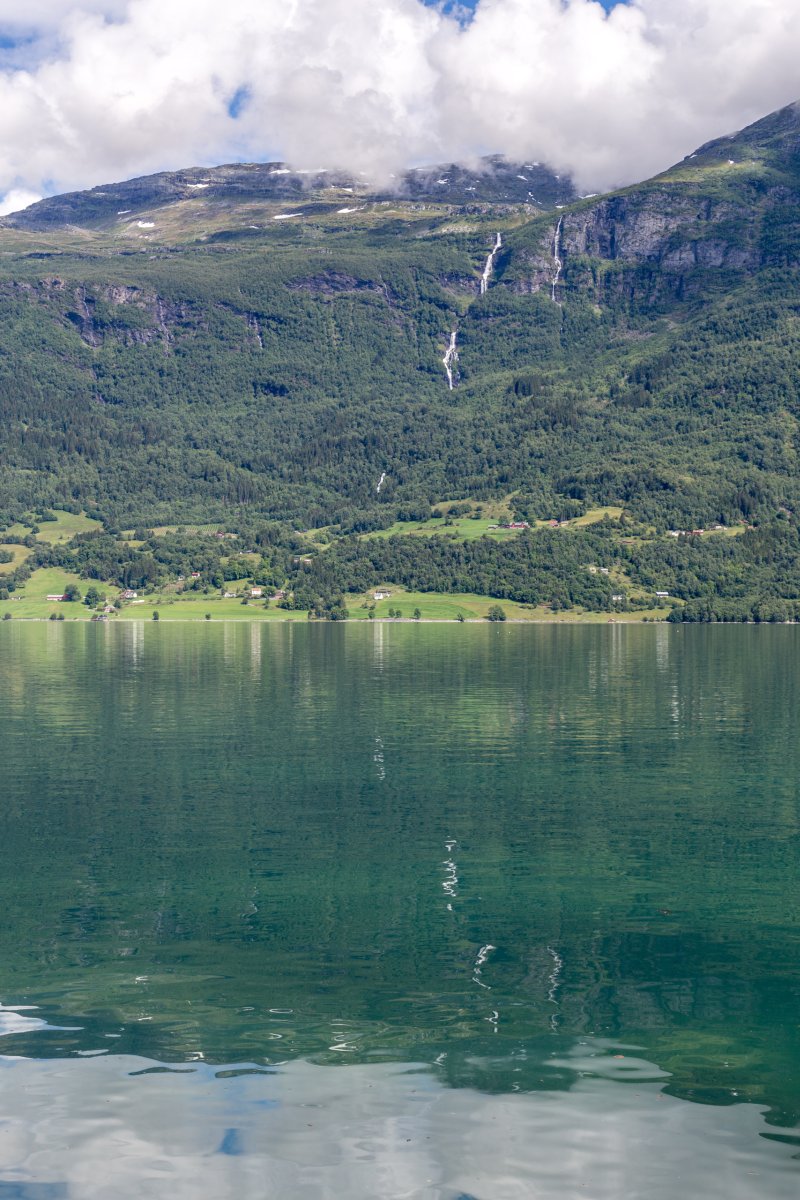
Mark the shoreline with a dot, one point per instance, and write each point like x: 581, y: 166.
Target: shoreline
x: 361, y: 621
x: 480, y: 621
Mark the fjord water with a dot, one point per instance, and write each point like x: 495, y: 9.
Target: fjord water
x: 399, y: 910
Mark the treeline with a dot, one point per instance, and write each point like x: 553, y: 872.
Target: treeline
x: 754, y: 576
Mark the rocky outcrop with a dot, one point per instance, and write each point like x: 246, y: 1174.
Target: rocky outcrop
x: 125, y: 313
x: 664, y: 230
x: 334, y: 283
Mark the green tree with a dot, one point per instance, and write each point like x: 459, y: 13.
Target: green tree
x: 496, y: 613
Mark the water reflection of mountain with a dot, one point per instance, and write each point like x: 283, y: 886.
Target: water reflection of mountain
x: 200, y: 833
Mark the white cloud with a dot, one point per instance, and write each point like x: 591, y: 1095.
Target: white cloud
x: 126, y: 88
x: 17, y: 199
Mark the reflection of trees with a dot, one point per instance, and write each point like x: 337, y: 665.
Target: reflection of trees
x: 203, y: 809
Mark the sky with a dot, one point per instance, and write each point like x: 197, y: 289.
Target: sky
x: 93, y: 91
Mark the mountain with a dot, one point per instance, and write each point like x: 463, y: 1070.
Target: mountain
x: 494, y: 181
x: 247, y: 345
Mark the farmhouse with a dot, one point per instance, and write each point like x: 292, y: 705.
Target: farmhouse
x: 381, y: 594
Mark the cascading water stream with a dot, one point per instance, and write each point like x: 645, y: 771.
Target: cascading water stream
x: 487, y: 270
x: 450, y: 359
x: 557, y: 263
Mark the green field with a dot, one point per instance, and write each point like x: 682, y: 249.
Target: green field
x: 613, y: 511
x: 467, y: 528
x: 462, y: 529
x: 172, y: 608
x: 31, y: 602
x: 65, y: 528
x: 20, y: 553
x: 435, y: 606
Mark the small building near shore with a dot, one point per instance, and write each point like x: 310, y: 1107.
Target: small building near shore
x: 381, y: 594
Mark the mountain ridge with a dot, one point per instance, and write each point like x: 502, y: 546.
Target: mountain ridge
x: 498, y: 181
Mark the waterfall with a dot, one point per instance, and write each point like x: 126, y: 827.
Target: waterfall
x: 380, y: 482
x: 557, y: 263
x: 450, y: 359
x: 487, y: 270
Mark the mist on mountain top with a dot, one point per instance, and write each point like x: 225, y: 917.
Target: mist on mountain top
x: 107, y: 89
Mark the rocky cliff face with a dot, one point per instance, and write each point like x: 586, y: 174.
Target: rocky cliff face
x: 732, y: 207
x: 669, y: 231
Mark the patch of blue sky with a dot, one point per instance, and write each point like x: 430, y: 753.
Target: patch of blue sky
x: 19, y: 50
x: 463, y: 8
x: 239, y: 101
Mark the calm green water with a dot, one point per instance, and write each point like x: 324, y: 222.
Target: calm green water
x: 390, y: 911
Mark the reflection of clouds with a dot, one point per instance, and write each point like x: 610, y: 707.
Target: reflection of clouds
x: 371, y: 1131
x: 15, y: 1020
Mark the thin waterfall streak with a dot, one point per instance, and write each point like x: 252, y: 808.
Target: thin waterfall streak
x: 450, y: 359
x: 489, y: 268
x: 557, y: 263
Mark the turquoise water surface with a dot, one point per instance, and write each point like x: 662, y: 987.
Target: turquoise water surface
x: 399, y: 911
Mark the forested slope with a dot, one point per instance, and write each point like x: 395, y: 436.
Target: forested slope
x: 257, y: 348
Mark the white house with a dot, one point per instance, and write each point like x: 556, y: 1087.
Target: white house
x: 381, y: 595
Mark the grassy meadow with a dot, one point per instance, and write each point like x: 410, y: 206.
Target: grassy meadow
x: 31, y: 603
